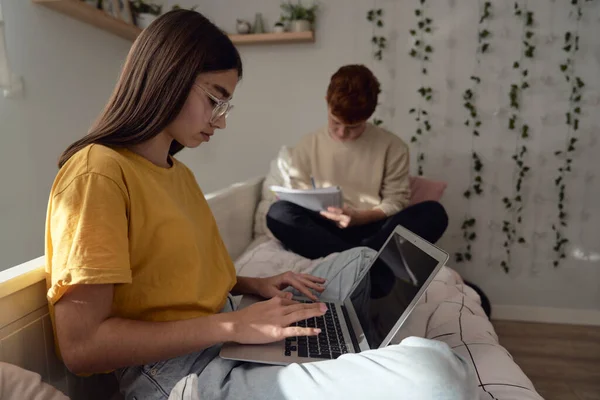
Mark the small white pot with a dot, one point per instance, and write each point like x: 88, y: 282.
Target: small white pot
x: 242, y: 27
x: 300, y: 25
x: 278, y: 29
x: 144, y: 20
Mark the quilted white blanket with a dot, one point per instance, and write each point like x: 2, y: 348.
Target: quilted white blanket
x: 449, y: 311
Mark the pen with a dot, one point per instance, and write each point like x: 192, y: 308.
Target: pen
x: 312, y: 180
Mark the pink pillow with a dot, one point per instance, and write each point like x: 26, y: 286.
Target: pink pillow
x: 423, y: 189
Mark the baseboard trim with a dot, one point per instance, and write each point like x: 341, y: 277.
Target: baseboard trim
x: 546, y: 314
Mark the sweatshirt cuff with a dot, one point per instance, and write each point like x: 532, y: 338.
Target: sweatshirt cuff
x: 389, y: 209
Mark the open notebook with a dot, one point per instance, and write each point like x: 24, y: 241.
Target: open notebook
x: 312, y: 199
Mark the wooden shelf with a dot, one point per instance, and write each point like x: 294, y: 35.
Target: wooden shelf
x: 266, y: 38
x: 84, y: 12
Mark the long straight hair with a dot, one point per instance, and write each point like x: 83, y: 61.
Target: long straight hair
x: 158, y: 74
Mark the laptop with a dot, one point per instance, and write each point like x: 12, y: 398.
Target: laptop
x: 362, y: 321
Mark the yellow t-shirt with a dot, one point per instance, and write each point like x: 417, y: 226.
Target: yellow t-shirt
x: 114, y: 217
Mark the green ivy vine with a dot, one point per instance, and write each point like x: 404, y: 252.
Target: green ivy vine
x: 378, y: 42
x: 474, y: 123
x: 422, y: 51
x: 514, y: 204
x: 570, y: 47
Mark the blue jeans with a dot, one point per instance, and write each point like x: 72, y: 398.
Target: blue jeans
x: 414, y: 369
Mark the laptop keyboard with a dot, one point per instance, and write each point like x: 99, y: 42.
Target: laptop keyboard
x: 329, y: 344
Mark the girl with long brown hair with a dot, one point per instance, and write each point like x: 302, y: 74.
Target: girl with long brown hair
x: 139, y: 280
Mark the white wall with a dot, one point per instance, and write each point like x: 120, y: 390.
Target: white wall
x: 282, y: 97
x: 282, y: 94
x: 69, y: 69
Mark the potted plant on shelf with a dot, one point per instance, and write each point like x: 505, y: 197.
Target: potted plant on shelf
x: 279, y: 27
x: 301, y: 18
x: 145, y: 13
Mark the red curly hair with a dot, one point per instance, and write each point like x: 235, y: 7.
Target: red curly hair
x: 352, y: 94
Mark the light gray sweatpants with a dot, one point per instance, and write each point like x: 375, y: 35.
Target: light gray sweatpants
x: 414, y: 369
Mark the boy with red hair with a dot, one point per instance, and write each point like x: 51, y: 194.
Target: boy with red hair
x: 370, y: 164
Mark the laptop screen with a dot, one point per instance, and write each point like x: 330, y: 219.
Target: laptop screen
x: 393, y: 281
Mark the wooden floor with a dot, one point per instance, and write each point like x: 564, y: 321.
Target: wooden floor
x: 562, y: 361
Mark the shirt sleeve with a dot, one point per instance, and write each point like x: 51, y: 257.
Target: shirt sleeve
x: 395, y: 190
x: 88, y: 234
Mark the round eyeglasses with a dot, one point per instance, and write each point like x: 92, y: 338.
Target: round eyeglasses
x: 221, y: 108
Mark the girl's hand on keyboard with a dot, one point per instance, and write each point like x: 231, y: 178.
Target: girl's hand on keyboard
x: 304, y: 283
x: 269, y: 321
